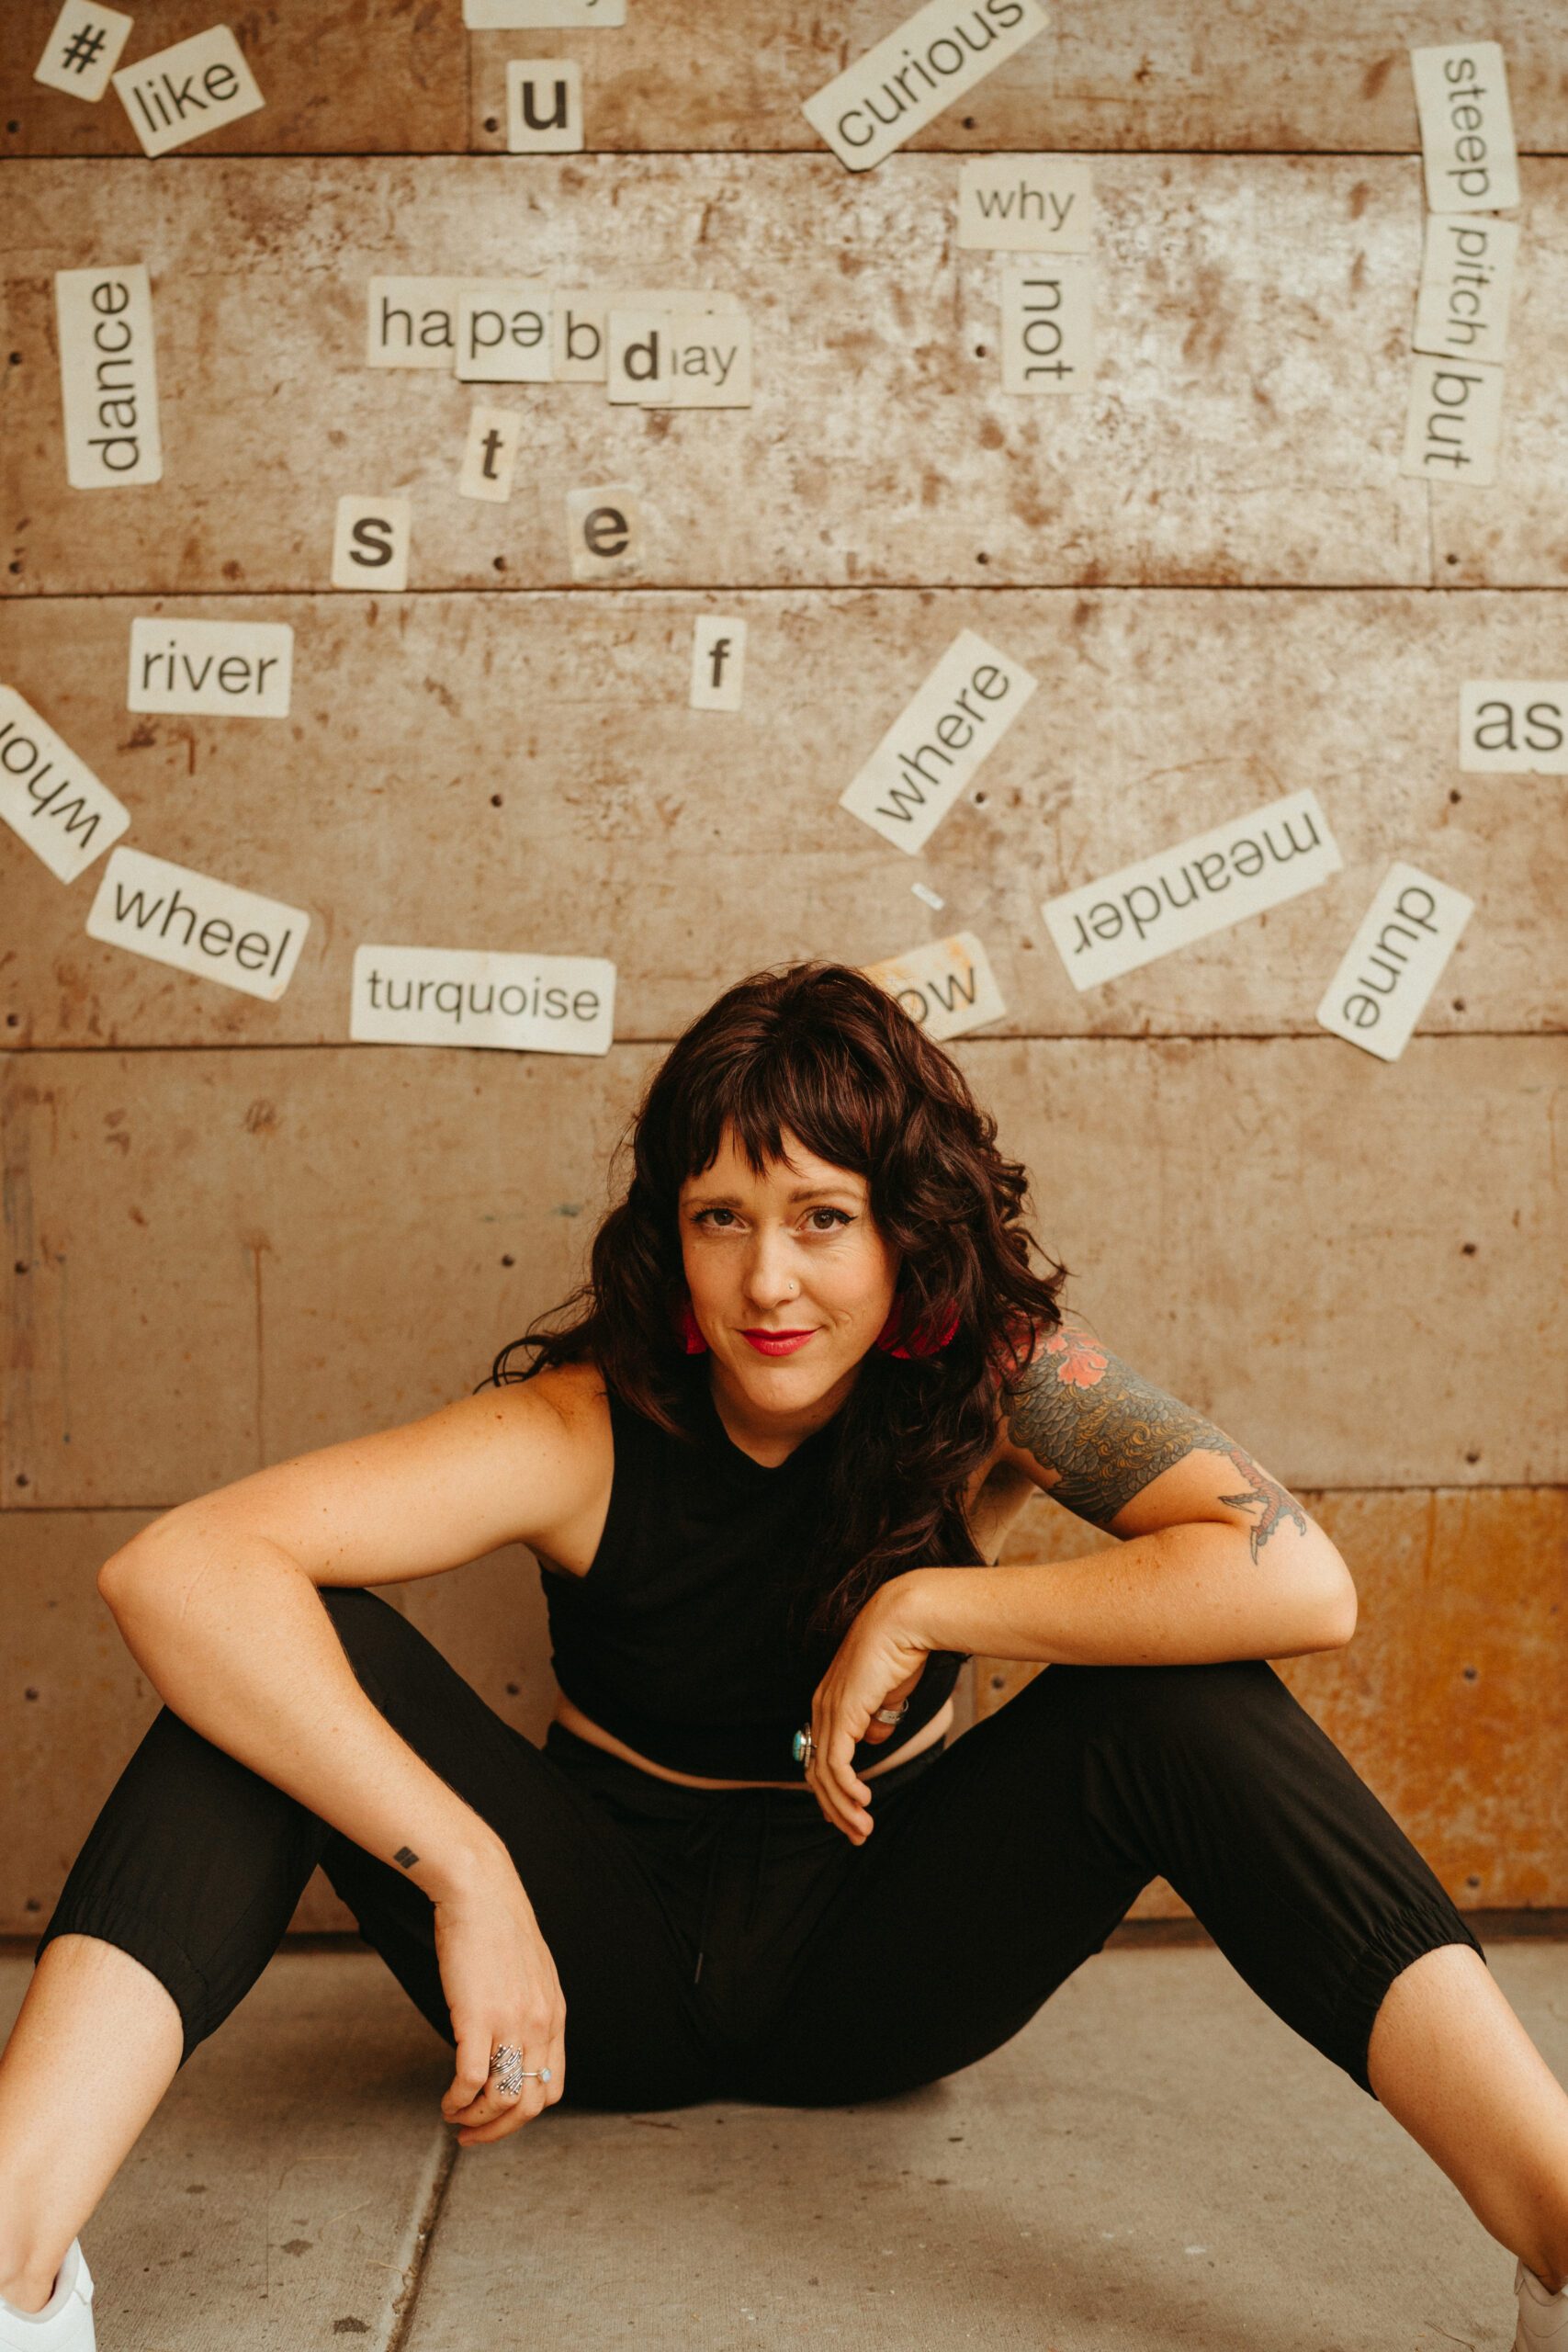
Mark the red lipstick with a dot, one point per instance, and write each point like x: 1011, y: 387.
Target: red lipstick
x: 777, y: 1343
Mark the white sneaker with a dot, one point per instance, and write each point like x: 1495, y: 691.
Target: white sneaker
x: 66, y: 2323
x: 1543, y: 2318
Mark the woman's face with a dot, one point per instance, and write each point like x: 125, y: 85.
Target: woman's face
x: 790, y: 1280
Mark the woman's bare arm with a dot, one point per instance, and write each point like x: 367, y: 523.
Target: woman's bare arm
x: 217, y: 1604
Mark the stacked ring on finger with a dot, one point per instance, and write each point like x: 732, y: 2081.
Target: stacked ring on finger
x: 891, y: 1714
x: 506, y: 2065
x: 803, y: 1745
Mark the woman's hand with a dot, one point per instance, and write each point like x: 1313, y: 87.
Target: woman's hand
x: 878, y: 1663
x: 500, y: 1985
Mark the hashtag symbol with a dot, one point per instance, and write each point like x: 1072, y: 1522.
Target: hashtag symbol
x: 83, y: 46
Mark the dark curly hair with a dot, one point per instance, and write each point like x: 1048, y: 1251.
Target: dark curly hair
x: 821, y: 1050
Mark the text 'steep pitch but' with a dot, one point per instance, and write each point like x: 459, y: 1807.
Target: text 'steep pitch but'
x: 935, y: 744
x: 1201, y: 886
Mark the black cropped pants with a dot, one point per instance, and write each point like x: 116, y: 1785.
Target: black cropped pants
x: 717, y: 1943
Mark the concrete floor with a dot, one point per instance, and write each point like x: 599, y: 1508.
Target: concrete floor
x: 1155, y: 2161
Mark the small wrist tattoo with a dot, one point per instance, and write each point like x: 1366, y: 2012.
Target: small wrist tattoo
x: 406, y: 1856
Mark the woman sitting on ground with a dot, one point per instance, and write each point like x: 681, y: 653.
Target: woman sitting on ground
x: 766, y: 1459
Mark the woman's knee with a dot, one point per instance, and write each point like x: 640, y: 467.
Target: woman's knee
x: 1216, y: 1694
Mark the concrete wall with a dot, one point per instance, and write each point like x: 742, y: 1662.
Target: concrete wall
x: 231, y: 1234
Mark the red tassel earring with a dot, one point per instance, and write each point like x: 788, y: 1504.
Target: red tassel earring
x: 919, y: 1343
x: 688, y: 1331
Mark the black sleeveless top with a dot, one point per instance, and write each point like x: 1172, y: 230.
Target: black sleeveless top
x: 676, y: 1639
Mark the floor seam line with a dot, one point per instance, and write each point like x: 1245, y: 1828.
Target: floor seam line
x: 407, y: 2303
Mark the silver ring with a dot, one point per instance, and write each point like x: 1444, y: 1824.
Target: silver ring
x: 892, y: 1714
x: 803, y: 1745
x: 506, y: 2065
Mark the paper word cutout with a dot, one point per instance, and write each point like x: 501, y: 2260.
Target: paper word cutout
x: 582, y: 316
x: 544, y: 106
x: 49, y: 797
x: 108, y: 376
x: 179, y: 94
x: 413, y: 321
x: 239, y: 667
x: 1131, y: 918
x: 370, y: 548
x: 236, y: 936
x: 604, y: 531
x: 83, y: 49
x: 1048, y: 325
x: 664, y: 357
x: 1454, y: 423
x: 525, y: 16
x: 1394, y: 962
x: 1514, y: 726
x: 946, y: 987
x: 503, y: 336
x: 1026, y: 204
x: 1467, y: 278
x: 1467, y: 126
x: 718, y: 663
x: 459, y: 996
x: 490, y: 459
x: 938, y: 741
x: 916, y: 73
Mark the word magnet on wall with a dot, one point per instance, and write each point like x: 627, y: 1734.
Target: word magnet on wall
x: 946, y: 987
x: 933, y: 747
x: 456, y: 996
x: 82, y: 49
x: 108, y: 378
x: 179, y: 94
x: 370, y: 547
x: 934, y: 57
x: 50, y: 799
x: 1394, y: 962
x: 1454, y: 423
x: 604, y: 531
x: 1103, y: 929
x: 490, y: 454
x: 544, y: 106
x: 536, y: 16
x: 198, y: 924
x: 1514, y: 726
x: 718, y: 663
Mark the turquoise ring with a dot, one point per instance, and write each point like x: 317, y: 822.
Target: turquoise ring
x: 803, y: 1747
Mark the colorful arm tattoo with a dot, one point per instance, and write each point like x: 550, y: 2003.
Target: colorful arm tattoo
x: 1083, y: 1414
